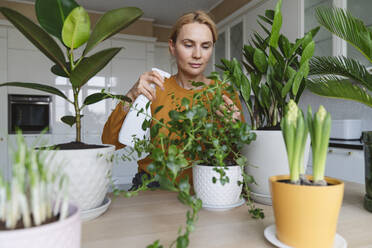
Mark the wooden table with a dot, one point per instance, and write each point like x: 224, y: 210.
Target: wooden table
x: 139, y: 221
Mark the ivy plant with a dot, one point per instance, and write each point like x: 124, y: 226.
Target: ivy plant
x: 200, y: 131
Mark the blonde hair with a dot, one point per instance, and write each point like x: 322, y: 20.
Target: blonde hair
x: 198, y: 16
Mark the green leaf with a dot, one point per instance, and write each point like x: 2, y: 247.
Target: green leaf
x: 36, y: 35
x: 158, y: 108
x: 34, y: 86
x: 259, y: 59
x: 308, y: 52
x: 110, y: 24
x: 76, y: 28
x: 185, y: 102
x: 269, y: 13
x: 197, y: 84
x: 330, y: 86
x: 341, y: 23
x: 342, y: 66
x: 287, y: 87
x: 69, y: 120
x: 52, y: 14
x: 302, y: 73
x: 245, y: 89
x: 166, y: 184
x: 90, y: 66
x: 57, y: 70
x: 184, y: 184
x: 277, y: 24
x: 284, y: 46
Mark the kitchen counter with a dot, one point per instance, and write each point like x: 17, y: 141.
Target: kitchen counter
x: 139, y: 221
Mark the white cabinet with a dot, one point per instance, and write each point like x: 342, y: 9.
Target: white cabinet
x: 3, y: 105
x: 344, y: 164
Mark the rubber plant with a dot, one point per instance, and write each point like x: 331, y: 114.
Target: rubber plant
x: 295, y: 130
x: 276, y: 70
x: 346, y: 78
x: 70, y: 24
x: 195, y: 134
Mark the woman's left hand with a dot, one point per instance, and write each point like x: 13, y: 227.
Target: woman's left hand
x: 230, y: 106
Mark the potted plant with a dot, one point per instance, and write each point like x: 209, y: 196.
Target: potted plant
x: 346, y: 78
x: 277, y: 70
x: 87, y: 166
x: 34, y: 205
x: 202, y: 135
x: 306, y: 209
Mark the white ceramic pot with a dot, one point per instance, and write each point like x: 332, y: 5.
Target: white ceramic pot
x: 216, y: 194
x: 267, y: 156
x: 89, y: 172
x: 59, y: 234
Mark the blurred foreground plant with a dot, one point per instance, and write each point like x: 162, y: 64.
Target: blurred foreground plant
x: 36, y: 193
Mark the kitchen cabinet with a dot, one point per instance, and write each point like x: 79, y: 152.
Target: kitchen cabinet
x: 3, y: 104
x: 343, y: 163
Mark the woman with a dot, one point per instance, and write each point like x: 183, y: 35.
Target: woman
x: 191, y: 43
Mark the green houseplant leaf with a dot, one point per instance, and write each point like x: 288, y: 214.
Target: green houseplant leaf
x: 34, y: 86
x: 90, y: 66
x: 111, y: 23
x: 69, y: 119
x: 347, y: 27
x: 52, y: 14
x: 335, y: 88
x: 42, y: 40
x: 76, y: 28
x: 97, y: 97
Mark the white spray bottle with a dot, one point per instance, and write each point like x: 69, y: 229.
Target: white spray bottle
x: 132, y: 125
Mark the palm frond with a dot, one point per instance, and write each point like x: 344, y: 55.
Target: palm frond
x: 341, y: 23
x: 331, y: 86
x: 341, y: 66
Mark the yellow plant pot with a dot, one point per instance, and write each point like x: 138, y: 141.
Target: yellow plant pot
x: 306, y: 216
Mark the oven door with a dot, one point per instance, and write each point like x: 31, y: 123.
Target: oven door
x: 31, y: 116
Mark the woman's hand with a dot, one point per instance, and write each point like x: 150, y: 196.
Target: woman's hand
x: 143, y: 85
x: 230, y: 106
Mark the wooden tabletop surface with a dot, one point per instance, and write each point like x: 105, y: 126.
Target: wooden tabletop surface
x: 139, y: 221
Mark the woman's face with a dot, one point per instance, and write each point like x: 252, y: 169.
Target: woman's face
x: 193, y: 48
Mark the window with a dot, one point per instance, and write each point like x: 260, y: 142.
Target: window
x: 323, y: 40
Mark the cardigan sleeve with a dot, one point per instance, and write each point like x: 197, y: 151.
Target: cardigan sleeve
x: 110, y: 134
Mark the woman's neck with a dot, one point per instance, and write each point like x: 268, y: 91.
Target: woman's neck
x: 185, y: 81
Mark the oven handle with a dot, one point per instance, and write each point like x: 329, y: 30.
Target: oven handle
x: 26, y: 102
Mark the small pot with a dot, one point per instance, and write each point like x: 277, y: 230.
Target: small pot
x: 306, y: 216
x: 367, y: 145
x: 216, y: 194
x: 58, y: 234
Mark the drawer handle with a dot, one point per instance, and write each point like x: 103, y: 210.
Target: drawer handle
x: 347, y: 153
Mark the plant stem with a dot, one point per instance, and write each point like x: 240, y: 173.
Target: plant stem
x: 78, y: 116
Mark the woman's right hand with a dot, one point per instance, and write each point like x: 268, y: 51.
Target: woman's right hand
x: 143, y: 85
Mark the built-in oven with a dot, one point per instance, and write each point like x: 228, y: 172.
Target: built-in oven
x: 30, y: 113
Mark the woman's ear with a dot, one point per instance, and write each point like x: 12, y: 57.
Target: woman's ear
x: 172, y: 47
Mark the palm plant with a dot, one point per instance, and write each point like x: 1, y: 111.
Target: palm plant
x: 70, y: 24
x: 342, y: 77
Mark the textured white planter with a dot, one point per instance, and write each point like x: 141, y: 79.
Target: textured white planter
x: 216, y: 194
x: 89, y: 173
x: 59, y: 234
x: 267, y: 157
